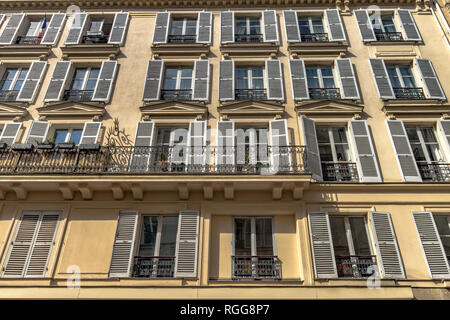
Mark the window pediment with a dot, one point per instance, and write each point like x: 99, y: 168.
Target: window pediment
x: 177, y: 108
x: 72, y: 108
x: 328, y: 107
x: 251, y: 108
x: 25, y: 51
x: 13, y: 109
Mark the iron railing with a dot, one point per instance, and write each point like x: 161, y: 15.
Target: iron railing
x: 324, y: 93
x: 180, y: 95
x: 187, y: 38
x: 78, y: 95
x: 388, y: 36
x: 248, y: 38
x: 256, y: 267
x: 409, y: 93
x: 95, y: 39
x: 339, y: 171
x: 250, y: 94
x: 434, y: 172
x: 153, y: 267
x: 8, y: 95
x: 357, y: 266
x: 28, y: 40
x: 315, y: 37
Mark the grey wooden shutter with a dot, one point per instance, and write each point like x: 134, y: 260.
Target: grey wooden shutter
x: 53, y: 29
x: 153, y: 79
x: 291, y: 26
x: 186, y: 251
x: 12, y: 27
x: 226, y: 26
x: 432, y: 248
x: 312, y: 148
x: 161, y: 27
x: 201, y: 80
x: 347, y: 78
x: 335, y: 26
x: 2, y: 17
x: 76, y: 28
x: 204, y: 27
x: 322, y: 245
x: 381, y: 78
x: 196, y: 143
x: 444, y: 126
x: 410, y: 30
x: 10, y: 132
x: 299, y: 82
x: 118, y: 28
x: 279, y: 145
x: 123, y: 248
x: 391, y: 265
x: 57, y: 83
x: 430, y: 79
x: 403, y: 151
x: 365, y: 153
x: 90, y: 132
x: 365, y: 25
x: 226, y: 80
x: 38, y: 131
x: 32, y: 81
x: 270, y: 23
x: 225, y: 158
x: 275, y: 90
x: 105, y: 81
x: 142, y: 143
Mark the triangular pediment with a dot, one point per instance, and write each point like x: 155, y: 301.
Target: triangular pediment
x: 11, y: 110
x: 248, y: 107
x: 73, y: 108
x: 174, y: 108
x: 328, y: 107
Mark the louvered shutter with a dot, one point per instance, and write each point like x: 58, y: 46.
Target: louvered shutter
x: 386, y: 244
x: 57, y: 83
x: 322, y: 245
x: 275, y: 90
x: 2, y: 18
x: 240, y: 145
x: 90, y: 133
x: 142, y: 143
x: 226, y: 80
x: 225, y: 157
x: 161, y: 27
x: 12, y: 27
x: 444, y: 126
x: 347, y: 78
x: 335, y: 26
x: 201, y: 80
x: 10, y: 132
x: 38, y: 131
x: 270, y: 23
x: 32, y: 81
x: 291, y: 26
x: 123, y: 248
x: 410, y: 30
x: 431, y: 245
x: 204, y: 27
x: 279, y: 145
x: 187, y: 245
x: 403, y: 151
x: 196, y: 143
x: 430, y: 79
x: 365, y: 25
x: 226, y: 26
x: 76, y: 28
x: 365, y: 153
x: 298, y: 79
x: 105, y: 81
x: 312, y: 148
x: 119, y: 28
x: 153, y: 80
x: 381, y: 78
x: 53, y: 29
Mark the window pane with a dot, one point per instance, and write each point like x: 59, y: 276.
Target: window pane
x: 342, y: 152
x: 33, y: 28
x: 186, y: 73
x: 78, y: 78
x: 434, y: 152
x: 241, y: 26
x: 328, y: 83
x: 338, y: 234
x: 176, y: 27
x: 242, y: 231
x: 442, y: 225
x: 60, y: 135
x: 304, y: 26
x: 264, y: 245
x: 359, y: 236
x: 75, y: 137
x: 322, y: 135
x: 257, y: 72
x: 95, y: 26
x: 185, y: 84
x: 377, y: 25
x: 418, y: 152
x: 428, y: 134
x: 388, y: 24
x: 7, y: 79
x: 255, y: 26
x: 148, y: 236
x: 392, y: 72
x: 258, y: 84
x: 327, y: 72
x: 20, y: 79
x: 325, y: 152
x: 339, y: 135
x: 168, y: 236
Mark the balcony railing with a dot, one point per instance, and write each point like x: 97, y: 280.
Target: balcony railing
x: 315, y: 37
x: 248, y: 38
x: 189, y: 38
x: 324, y: 93
x: 409, y: 93
x: 180, y: 95
x: 339, y: 171
x: 250, y: 94
x: 28, y: 40
x: 256, y: 267
x: 78, y: 95
x: 8, y: 95
x: 154, y: 267
x: 388, y: 36
x: 358, y: 266
x: 434, y: 172
x: 95, y: 39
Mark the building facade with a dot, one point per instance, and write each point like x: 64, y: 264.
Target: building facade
x: 257, y: 150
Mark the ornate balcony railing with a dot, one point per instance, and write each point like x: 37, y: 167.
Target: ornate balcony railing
x: 78, y: 95
x: 409, y: 93
x: 188, y: 38
x: 315, y: 37
x: 324, y: 93
x: 248, y: 38
x: 250, y: 94
x: 154, y: 267
x: 340, y: 171
x: 8, y: 95
x: 28, y: 40
x: 358, y: 266
x: 388, y: 36
x: 95, y: 39
x: 434, y: 172
x: 180, y: 95
x: 256, y: 267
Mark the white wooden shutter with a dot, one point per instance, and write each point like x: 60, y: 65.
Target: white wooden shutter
x: 161, y: 27
x: 312, y: 148
x: 119, y: 28
x: 430, y: 79
x: 201, y: 80
x: 90, y: 133
x: 196, y: 142
x: 32, y: 81
x: 10, y: 132
x: 76, y: 28
x: 270, y: 25
x: 275, y: 90
x: 186, y: 251
x: 226, y: 26
x: 38, y: 132
x: 365, y: 25
x: 299, y: 82
x: 103, y: 87
x: 142, y: 143
x: 408, y: 24
x: 279, y: 145
x: 204, y: 27
x: 444, y: 126
x: 58, y: 81
x: 53, y: 29
x: 12, y: 28
x: 291, y: 26
x: 381, y: 78
x: 225, y: 156
x: 153, y: 79
x: 335, y: 26
x: 347, y: 78
x: 226, y: 80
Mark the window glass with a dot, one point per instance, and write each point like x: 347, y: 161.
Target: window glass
x: 339, y: 236
x: 393, y: 76
x: 327, y: 77
x: 8, y: 78
x: 254, y: 26
x: 148, y: 236
x: 443, y: 226
x: 95, y: 26
x: 191, y: 27
x: 424, y: 144
x: 168, y: 236
x: 388, y: 24
x: 242, y: 78
x: 264, y: 245
x: 304, y: 26
x: 250, y: 78
x: 178, y: 78
x: 78, y: 79
x: 20, y: 79
x: 75, y: 136
x: 177, y: 27
x: 243, y: 233
x: 61, y: 135
x: 359, y: 236
x: 92, y: 79
x: 240, y: 26
x: 33, y: 28
x: 408, y: 79
x: 317, y: 25
x: 312, y: 77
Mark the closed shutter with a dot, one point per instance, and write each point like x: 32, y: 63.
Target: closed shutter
x: 105, y: 81
x: 279, y: 145
x: 57, y: 83
x: 38, y: 132
x: 153, y: 80
x: 118, y: 28
x: 381, y: 78
x: 196, y: 143
x: 444, y: 126
x: 312, y: 148
x: 161, y: 27
x: 142, y: 144
x: 291, y: 26
x: 275, y: 90
x: 201, y: 80
x: 204, y: 27
x: 32, y: 81
x: 365, y: 153
x: 335, y: 26
x: 322, y: 245
x: 386, y: 245
x: 187, y: 245
x: 365, y: 25
x: 410, y: 30
x: 225, y: 156
x: 403, y: 151
x: 90, y: 133
x: 298, y: 79
x: 10, y: 132
x: 123, y: 248
x: 270, y: 23
x: 226, y: 80
x: 12, y: 27
x: 76, y: 28
x: 53, y: 29
x: 226, y: 26
x: 347, y: 78
x: 430, y: 79
x: 431, y: 245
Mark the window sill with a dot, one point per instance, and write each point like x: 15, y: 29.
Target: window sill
x: 180, y: 49
x: 20, y: 50
x: 318, y: 48
x: 91, y: 50
x: 250, y: 49
x: 387, y: 43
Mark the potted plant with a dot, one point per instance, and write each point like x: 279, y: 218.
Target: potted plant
x: 164, y: 163
x: 47, y: 144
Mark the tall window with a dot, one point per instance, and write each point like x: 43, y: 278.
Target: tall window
x: 383, y: 23
x: 83, y: 84
x: 33, y: 29
x: 333, y: 144
x: 443, y: 226
x: 184, y: 27
x: 252, y: 143
x: 165, y: 155
x: 320, y: 77
x: 424, y: 144
x: 250, y: 83
x: 11, y: 83
x: 247, y: 26
x: 310, y: 25
x: 177, y: 84
x: 98, y: 30
x: 401, y: 76
x: 68, y: 135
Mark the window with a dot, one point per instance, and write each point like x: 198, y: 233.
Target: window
x: 33, y: 32
x: 443, y: 227
x: 95, y: 27
x: 321, y: 83
x: 312, y: 29
x: 169, y: 149
x: 250, y: 83
x: 401, y: 76
x: 83, y: 84
x: 183, y: 30
x: 252, y: 142
x: 384, y: 23
x: 97, y: 31
x: 68, y: 135
x: 424, y: 144
x: 248, y: 29
x: 177, y: 84
x: 11, y: 83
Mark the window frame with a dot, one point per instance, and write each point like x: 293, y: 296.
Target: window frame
x: 68, y: 135
x: 310, y: 24
x: 85, y: 79
x: 333, y: 144
x: 250, y: 77
x: 400, y: 76
x: 253, y: 140
x: 379, y: 19
x: 91, y: 20
x: 320, y: 77
x: 38, y: 29
x: 247, y: 25
x: 253, y: 242
x: 423, y: 144
x: 179, y: 77
x: 183, y: 29
x: 16, y: 77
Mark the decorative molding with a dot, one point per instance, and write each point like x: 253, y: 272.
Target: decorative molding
x: 117, y: 191
x: 165, y: 50
x: 250, y: 49
x: 416, y: 107
x: 66, y: 191
x: 19, y: 189
x: 251, y: 108
x: 330, y: 49
x: 138, y: 193
x: 174, y: 108
x: 73, y: 108
x: 183, y: 191
x: 228, y: 191
x: 86, y: 191
x: 13, y: 109
x: 99, y: 51
x: 33, y: 52
x: 208, y: 191
x: 327, y: 107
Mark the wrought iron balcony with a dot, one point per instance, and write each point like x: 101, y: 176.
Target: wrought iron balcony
x: 8, y: 95
x: 315, y: 37
x: 358, y: 266
x: 28, y: 40
x: 95, y: 39
x: 324, y: 93
x: 340, y: 171
x: 409, y: 93
x: 256, y: 267
x: 178, y: 95
x: 248, y: 38
x: 154, y: 267
x: 434, y: 172
x: 389, y: 36
x: 250, y: 94
x: 188, y: 38
x: 78, y: 95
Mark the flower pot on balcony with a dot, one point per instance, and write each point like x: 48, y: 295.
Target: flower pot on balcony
x: 66, y: 145
x: 164, y: 166
x: 90, y: 147
x: 3, y: 145
x: 22, y: 147
x: 45, y: 146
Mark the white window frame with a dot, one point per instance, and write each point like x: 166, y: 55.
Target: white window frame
x: 247, y: 26
x: 379, y: 19
x: 86, y: 77
x: 348, y: 233
x: 253, y: 243
x: 399, y: 74
x: 38, y: 29
x: 333, y: 143
x: 102, y: 21
x: 423, y: 144
x: 320, y: 76
x: 69, y: 133
x: 16, y: 77
x: 179, y: 77
x: 183, y: 30
x: 310, y: 24
x: 250, y: 77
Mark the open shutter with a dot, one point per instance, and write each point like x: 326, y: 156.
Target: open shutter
x: 90, y: 133
x: 381, y: 78
x: 279, y: 145
x: 365, y: 25
x: 204, y: 27
x: 226, y: 80
x: 105, y: 81
x: 275, y: 90
x: 118, y: 28
x: 187, y: 245
x: 444, y: 126
x: 225, y: 156
x: 431, y: 245
x: 161, y: 27
x: 270, y: 23
x: 38, y: 131
x: 196, y: 143
x: 312, y: 148
x: 12, y: 27
x: 298, y: 79
x: 365, y: 153
x: 2, y: 18
x: 226, y: 26
x: 58, y: 81
x: 347, y: 78
x: 335, y: 26
x: 201, y: 80
x: 386, y: 243
x: 10, y: 132
x: 410, y: 30
x: 123, y: 244
x: 32, y: 81
x: 153, y: 79
x: 142, y: 143
x: 430, y: 79
x: 291, y: 26
x: 403, y: 151
x: 76, y: 28
x: 53, y: 29
x: 322, y: 245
